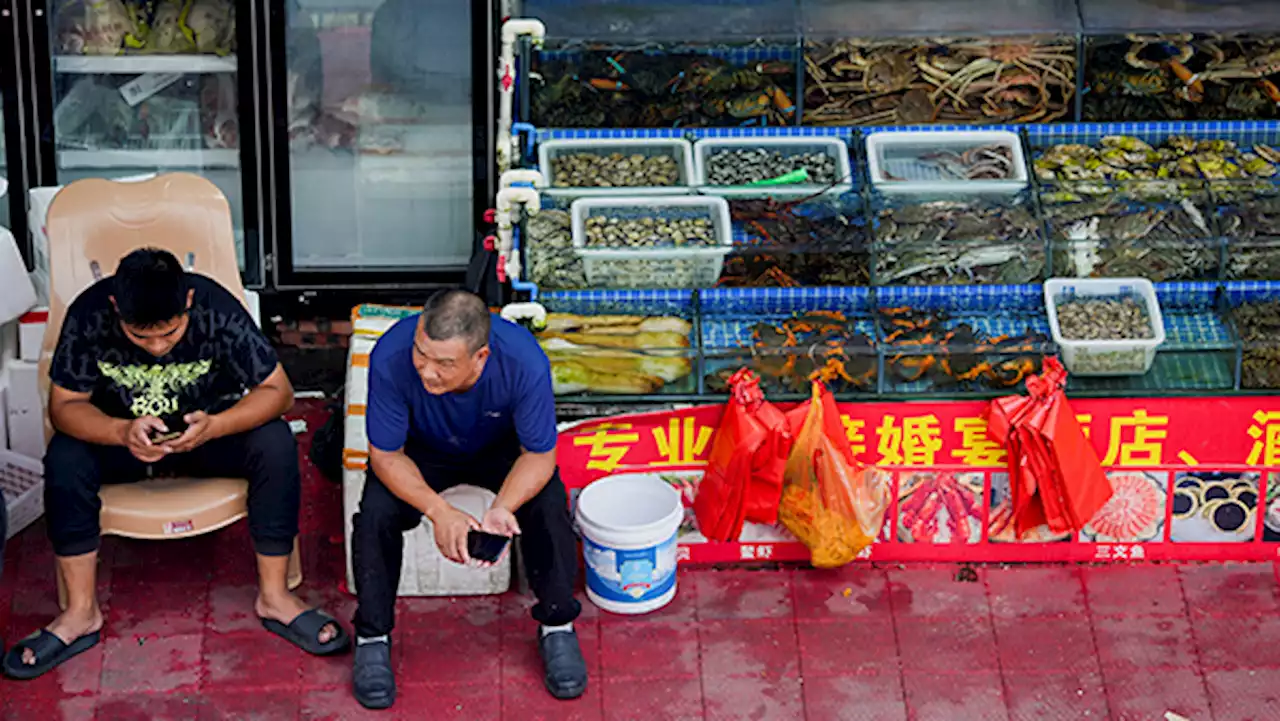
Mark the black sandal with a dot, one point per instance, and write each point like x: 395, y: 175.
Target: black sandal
x: 50, y: 653
x: 304, y: 632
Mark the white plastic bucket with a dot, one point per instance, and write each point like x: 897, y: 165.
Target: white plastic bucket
x: 629, y: 524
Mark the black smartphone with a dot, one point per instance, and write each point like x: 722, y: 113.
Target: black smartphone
x: 176, y: 427
x: 487, y: 547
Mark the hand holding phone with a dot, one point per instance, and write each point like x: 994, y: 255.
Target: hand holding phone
x: 486, y: 547
x: 177, y: 426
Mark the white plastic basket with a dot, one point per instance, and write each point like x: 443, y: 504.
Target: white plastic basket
x: 22, y: 487
x: 679, y: 148
x: 832, y: 147
x: 617, y: 268
x: 898, y: 153
x: 1105, y: 357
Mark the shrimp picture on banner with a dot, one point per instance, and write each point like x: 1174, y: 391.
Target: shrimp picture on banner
x: 940, y: 507
x: 1000, y: 527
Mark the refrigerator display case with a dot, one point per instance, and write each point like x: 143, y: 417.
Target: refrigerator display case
x: 127, y: 88
x: 381, y: 116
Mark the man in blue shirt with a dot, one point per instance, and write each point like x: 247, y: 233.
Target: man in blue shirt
x: 456, y: 396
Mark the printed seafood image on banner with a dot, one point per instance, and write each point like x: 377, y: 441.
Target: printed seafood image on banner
x: 1214, y: 507
x: 1135, y: 514
x: 940, y: 507
x: 1271, y: 513
x: 1000, y: 528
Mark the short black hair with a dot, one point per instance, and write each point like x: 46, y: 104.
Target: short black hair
x: 150, y: 288
x: 453, y: 314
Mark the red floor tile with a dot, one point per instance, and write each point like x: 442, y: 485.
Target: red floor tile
x: 759, y: 648
x: 185, y: 561
x: 153, y: 707
x: 1046, y: 645
x: 250, y: 659
x: 866, y: 697
x: 1231, y: 589
x: 1028, y: 592
x: 337, y: 704
x: 252, y: 704
x: 157, y: 609
x: 154, y: 664
x: 1244, y: 694
x: 472, y: 702
x: 753, y: 699
x: 972, y: 696
x: 521, y: 660
x: 414, y: 615
x: 1145, y: 642
x: 531, y: 701
x: 1226, y: 642
x: 1134, y: 590
x: 851, y: 591
x: 853, y: 646
x: 739, y: 594
x: 452, y: 653
x: 231, y: 608
x: 935, y: 592
x: 1141, y: 695
x: 1055, y: 696
x: 649, y: 650
x: 75, y: 708
x: 953, y: 646
x: 670, y: 699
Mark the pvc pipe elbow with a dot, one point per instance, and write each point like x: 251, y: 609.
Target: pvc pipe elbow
x: 516, y: 27
x: 509, y: 178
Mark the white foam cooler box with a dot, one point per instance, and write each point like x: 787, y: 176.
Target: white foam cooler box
x: 423, y: 572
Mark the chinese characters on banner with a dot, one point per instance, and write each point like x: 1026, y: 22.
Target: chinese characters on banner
x: 1162, y: 438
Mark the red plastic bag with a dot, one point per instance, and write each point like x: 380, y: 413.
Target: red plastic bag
x: 834, y: 505
x: 743, y: 481
x: 1055, y: 477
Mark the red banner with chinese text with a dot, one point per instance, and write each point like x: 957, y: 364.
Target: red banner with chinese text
x: 1191, y: 476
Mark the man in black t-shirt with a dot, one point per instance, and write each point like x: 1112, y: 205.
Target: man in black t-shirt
x: 162, y: 372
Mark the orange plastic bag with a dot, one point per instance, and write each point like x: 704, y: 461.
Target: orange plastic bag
x: 834, y: 505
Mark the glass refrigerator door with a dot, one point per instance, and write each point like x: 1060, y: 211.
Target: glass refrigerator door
x: 380, y: 175
x: 153, y: 86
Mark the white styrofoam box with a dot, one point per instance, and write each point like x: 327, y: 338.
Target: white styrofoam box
x: 26, y: 411
x: 31, y: 328
x: 899, y: 152
x: 4, y: 411
x: 424, y: 572
x: 653, y: 267
x: 19, y: 294
x: 678, y: 148
x: 253, y: 304
x: 835, y: 148
x: 9, y: 339
x: 21, y: 489
x: 1105, y: 357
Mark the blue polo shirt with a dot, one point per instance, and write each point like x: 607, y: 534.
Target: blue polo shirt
x: 512, y: 406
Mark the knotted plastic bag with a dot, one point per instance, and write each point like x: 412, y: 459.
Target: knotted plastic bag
x: 834, y: 505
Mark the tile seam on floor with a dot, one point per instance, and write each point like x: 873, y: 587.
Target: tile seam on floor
x: 1093, y: 639
x: 1199, y: 660
x: 897, y: 644
x: 995, y: 642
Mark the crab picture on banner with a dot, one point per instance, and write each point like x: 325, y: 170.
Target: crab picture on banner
x: 940, y: 507
x: 1135, y: 513
x: 1000, y: 528
x: 1214, y: 507
x: 1271, y: 510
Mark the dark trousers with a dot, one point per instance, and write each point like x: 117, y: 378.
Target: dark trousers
x: 547, y: 543
x: 267, y: 456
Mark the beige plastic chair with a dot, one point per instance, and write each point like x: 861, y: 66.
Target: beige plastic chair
x: 92, y: 224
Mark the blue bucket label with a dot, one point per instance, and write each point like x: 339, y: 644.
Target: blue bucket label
x: 630, y: 575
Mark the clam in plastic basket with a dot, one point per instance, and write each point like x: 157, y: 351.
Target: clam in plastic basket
x: 834, y: 148
x: 22, y: 487
x: 915, y: 162
x: 657, y: 262
x: 628, y: 150
x: 1129, y: 357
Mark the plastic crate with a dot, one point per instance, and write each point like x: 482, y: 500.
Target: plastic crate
x: 835, y: 148
x: 22, y: 484
x: 654, y: 266
x: 1124, y: 357
x: 678, y: 148
x: 897, y: 153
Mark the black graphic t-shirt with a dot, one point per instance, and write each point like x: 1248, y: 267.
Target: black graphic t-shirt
x: 222, y: 355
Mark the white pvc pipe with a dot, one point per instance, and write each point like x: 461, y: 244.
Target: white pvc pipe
x: 510, y: 177
x: 511, y: 31
x: 508, y: 199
